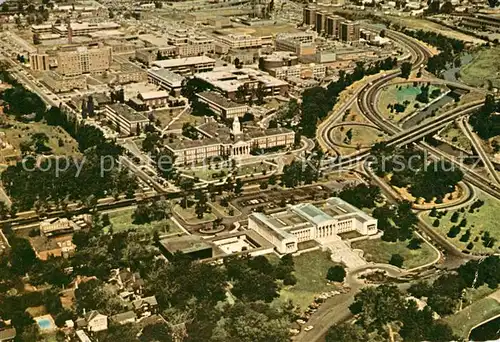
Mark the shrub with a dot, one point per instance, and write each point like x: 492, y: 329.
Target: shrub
x: 396, y: 260
x: 336, y: 273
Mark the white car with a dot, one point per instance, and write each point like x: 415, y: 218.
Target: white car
x: 301, y: 321
x: 308, y: 328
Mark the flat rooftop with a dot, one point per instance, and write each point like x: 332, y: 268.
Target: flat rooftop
x: 167, y: 75
x: 219, y: 99
x: 173, y: 63
x: 311, y: 213
x: 185, y: 244
x: 150, y: 95
x: 229, y: 78
x: 126, y: 112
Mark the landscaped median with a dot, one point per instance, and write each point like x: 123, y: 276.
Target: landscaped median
x: 466, y: 229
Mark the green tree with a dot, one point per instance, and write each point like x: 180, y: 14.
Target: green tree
x: 378, y: 306
x: 396, y: 260
x: 336, y: 273
x: 22, y: 256
x: 156, y: 332
x: 346, y: 332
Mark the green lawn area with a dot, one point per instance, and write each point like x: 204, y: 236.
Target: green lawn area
x: 20, y: 132
x: 406, y: 92
x: 483, y: 219
x: 225, y: 210
x: 255, y: 169
x: 190, y: 217
x: 454, y: 135
x: 310, y: 270
x: 207, y: 173
x: 362, y: 136
x: 122, y: 220
x: 484, y: 67
x: 461, y: 322
x: 381, y: 251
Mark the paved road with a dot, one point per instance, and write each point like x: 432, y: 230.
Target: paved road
x: 477, y: 144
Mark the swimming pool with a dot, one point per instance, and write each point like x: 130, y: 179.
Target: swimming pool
x: 44, y: 323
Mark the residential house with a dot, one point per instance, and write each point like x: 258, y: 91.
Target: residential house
x: 93, y: 321
x: 8, y: 335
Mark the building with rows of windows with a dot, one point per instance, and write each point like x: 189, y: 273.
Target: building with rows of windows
x: 304, y: 222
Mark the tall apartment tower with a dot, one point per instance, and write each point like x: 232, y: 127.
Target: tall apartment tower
x: 349, y: 31
x: 333, y: 25
x: 309, y: 16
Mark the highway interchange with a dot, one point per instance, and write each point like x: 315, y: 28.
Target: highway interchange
x: 366, y: 98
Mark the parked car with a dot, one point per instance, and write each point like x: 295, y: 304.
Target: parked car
x: 308, y: 328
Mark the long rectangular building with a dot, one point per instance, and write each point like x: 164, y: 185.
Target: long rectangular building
x: 125, y: 119
x: 189, y: 65
x: 304, y: 222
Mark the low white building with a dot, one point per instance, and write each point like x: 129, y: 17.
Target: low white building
x: 304, y: 222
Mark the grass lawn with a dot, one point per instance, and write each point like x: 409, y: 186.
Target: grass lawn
x: 225, y: 210
x: 208, y: 174
x: 21, y: 132
x: 392, y: 95
x: 461, y: 322
x: 255, y: 169
x: 310, y: 270
x: 454, y: 134
x: 484, y: 67
x: 190, y: 217
x: 361, y: 136
x: 381, y: 251
x: 223, y: 172
x: 122, y: 220
x: 483, y: 219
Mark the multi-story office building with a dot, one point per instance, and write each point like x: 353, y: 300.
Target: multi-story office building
x: 302, y: 44
x: 228, y: 80
x: 195, y: 46
x: 125, y: 119
x: 82, y: 29
x: 185, y: 66
x: 154, y: 99
x: 60, y: 84
x: 349, y: 31
x: 39, y: 61
x: 83, y: 59
x: 221, y: 106
x: 242, y: 41
x: 166, y: 79
x: 311, y: 70
x: 304, y: 222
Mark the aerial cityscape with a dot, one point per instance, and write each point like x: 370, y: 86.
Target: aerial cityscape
x: 249, y: 170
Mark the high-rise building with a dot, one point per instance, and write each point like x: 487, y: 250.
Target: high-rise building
x: 309, y: 16
x: 349, y: 31
x: 39, y: 61
x: 83, y: 60
x: 333, y: 25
